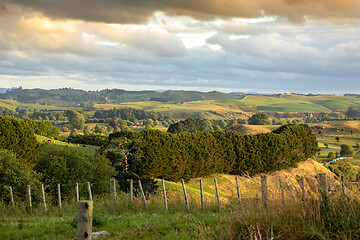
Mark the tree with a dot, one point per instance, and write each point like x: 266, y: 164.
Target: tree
x: 98, y: 129
x: 326, y: 145
x: 77, y: 120
x: 337, y: 139
x: 16, y: 175
x: 87, y: 130
x: 346, y: 150
x: 188, y: 125
x: 331, y: 155
x: 260, y: 119
x: 74, y: 132
x: 68, y: 166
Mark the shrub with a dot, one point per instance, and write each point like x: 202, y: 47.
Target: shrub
x: 67, y: 166
x: 16, y: 175
x: 331, y: 155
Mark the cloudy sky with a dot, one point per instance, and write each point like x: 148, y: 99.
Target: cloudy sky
x: 307, y: 46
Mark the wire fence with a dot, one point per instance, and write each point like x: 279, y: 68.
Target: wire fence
x: 263, y: 190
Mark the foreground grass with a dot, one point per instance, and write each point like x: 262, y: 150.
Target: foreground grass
x: 320, y: 217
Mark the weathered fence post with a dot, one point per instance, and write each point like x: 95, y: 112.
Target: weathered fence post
x: 29, y: 195
x: 143, y: 196
x: 131, y: 190
x: 323, y: 181
x: 185, y: 195
x: 164, y: 193
x: 202, y: 194
x: 89, y: 189
x: 343, y: 185
x: 282, y: 190
x: 264, y: 190
x: 12, y: 197
x: 113, y: 190
x: 302, y: 185
x: 43, y: 197
x: 77, y: 191
x: 217, y: 194
x: 84, y: 219
x: 59, y: 195
x: 238, y: 192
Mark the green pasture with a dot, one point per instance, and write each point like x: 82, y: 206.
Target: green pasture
x: 88, y: 149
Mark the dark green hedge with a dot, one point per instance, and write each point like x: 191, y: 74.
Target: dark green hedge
x: 92, y: 139
x: 159, y: 154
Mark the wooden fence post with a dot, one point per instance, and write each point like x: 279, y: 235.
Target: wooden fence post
x: 12, y: 197
x: 84, y: 219
x: 185, y: 195
x: 264, y: 190
x: 343, y: 185
x: 131, y: 190
x: 323, y: 181
x: 29, y: 195
x: 202, y: 194
x: 217, y: 194
x: 143, y: 196
x: 89, y: 189
x: 282, y: 190
x: 164, y: 193
x: 113, y: 190
x: 302, y: 185
x: 59, y: 195
x: 77, y: 191
x: 238, y: 192
x: 43, y: 197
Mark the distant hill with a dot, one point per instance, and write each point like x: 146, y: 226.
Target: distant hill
x: 69, y: 96
x: 3, y: 90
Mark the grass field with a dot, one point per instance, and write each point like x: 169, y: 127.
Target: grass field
x: 88, y: 149
x: 246, y: 106
x: 252, y: 221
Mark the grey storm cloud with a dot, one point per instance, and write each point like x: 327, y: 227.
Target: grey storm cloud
x: 138, y: 11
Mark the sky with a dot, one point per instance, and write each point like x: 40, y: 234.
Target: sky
x: 301, y: 46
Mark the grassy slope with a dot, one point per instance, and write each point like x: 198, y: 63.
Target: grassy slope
x: 283, y: 103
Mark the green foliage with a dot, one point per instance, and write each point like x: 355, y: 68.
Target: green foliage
x: 188, y: 125
x: 189, y: 155
x: 128, y: 114
x: 43, y: 128
x: 92, y: 139
x: 346, y: 150
x: 77, y: 120
x: 18, y: 135
x: 260, y: 119
x: 348, y: 170
x: 337, y: 139
x: 335, y: 170
x: 64, y: 165
x: 16, y: 175
x: 331, y: 155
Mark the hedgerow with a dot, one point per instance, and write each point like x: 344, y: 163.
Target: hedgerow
x: 158, y: 154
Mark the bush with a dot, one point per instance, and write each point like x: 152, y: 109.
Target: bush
x: 67, y: 166
x: 16, y: 175
x: 189, y: 155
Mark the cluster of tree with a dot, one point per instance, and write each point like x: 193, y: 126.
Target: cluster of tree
x: 170, y: 156
x: 353, y: 112
x: 259, y: 119
x: 91, y: 139
x: 76, y: 119
x: 74, y: 97
x: 131, y: 114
